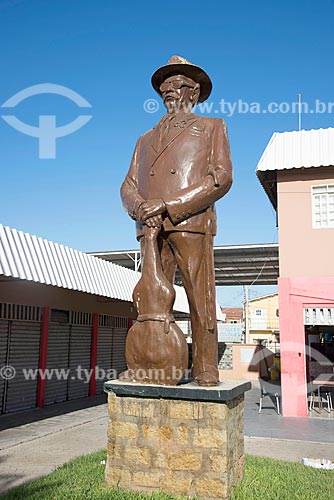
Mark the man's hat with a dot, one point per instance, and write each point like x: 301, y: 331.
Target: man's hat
x: 180, y: 66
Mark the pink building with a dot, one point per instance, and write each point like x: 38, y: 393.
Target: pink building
x: 297, y: 172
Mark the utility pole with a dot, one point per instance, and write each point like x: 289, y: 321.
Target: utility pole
x: 246, y: 315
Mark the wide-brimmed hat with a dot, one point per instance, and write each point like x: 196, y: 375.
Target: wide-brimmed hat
x: 178, y: 65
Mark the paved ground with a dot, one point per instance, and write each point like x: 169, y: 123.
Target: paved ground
x: 290, y: 450
x: 272, y: 435
x: 34, y: 443
x: 270, y: 425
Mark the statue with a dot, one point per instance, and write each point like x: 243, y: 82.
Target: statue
x: 179, y: 169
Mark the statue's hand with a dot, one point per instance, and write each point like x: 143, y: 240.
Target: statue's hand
x: 154, y: 221
x: 151, y: 208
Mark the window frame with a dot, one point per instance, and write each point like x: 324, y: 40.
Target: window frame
x: 329, y: 190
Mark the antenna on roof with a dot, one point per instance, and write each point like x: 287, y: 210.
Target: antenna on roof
x: 299, y: 111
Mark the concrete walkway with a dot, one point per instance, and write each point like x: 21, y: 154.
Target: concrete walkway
x: 34, y: 443
x: 32, y: 446
x: 271, y: 435
x: 290, y: 450
x: 270, y: 425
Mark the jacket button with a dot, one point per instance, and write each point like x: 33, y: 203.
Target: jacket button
x: 172, y: 171
x: 152, y: 172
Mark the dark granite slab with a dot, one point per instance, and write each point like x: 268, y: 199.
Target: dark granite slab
x: 225, y: 391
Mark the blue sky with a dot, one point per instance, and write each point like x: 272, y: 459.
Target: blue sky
x: 262, y: 51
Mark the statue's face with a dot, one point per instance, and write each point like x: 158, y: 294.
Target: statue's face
x: 179, y: 93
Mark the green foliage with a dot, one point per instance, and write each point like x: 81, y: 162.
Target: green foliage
x: 80, y: 479
x: 265, y: 479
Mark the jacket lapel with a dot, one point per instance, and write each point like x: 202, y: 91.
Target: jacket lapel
x: 155, y: 138
x: 180, y: 125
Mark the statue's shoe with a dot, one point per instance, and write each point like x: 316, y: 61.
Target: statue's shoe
x: 207, y: 379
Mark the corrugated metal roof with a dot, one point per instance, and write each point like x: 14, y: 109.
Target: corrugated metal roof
x: 304, y: 148
x: 30, y: 258
x: 234, y: 264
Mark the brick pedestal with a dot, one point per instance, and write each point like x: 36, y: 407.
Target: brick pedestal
x: 181, y: 440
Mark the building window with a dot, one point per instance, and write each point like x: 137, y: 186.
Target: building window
x: 323, y: 206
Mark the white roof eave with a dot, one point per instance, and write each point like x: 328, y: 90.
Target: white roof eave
x: 298, y: 149
x: 30, y: 258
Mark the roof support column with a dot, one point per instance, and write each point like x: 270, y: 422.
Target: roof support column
x: 293, y: 352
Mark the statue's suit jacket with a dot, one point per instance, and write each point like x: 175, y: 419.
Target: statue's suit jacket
x: 190, y: 170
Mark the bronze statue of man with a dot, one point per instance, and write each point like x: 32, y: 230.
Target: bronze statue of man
x: 179, y: 169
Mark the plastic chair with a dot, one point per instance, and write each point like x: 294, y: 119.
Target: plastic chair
x: 324, y: 392
x: 311, y: 392
x: 271, y: 390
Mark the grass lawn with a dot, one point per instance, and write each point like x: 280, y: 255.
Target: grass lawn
x: 83, y: 479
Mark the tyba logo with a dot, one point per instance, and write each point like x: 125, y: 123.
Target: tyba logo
x: 47, y: 132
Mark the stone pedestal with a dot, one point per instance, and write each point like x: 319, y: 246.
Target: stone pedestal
x: 183, y: 440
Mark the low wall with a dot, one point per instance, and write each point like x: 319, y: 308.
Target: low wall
x: 249, y: 362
